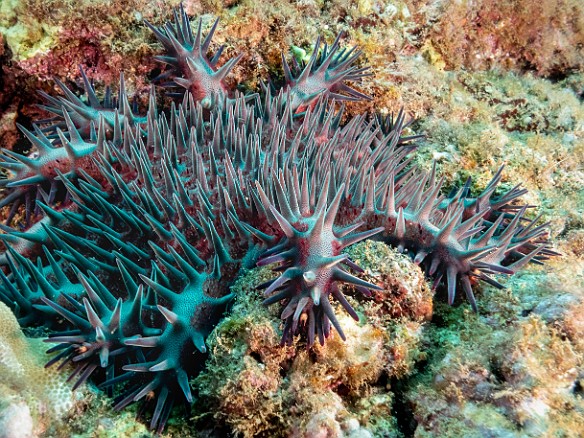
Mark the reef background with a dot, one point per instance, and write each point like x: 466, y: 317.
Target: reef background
x: 491, y: 82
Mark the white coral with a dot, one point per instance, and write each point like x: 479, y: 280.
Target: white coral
x: 23, y: 378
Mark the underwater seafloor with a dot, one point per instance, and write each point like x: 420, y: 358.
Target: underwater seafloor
x: 490, y: 82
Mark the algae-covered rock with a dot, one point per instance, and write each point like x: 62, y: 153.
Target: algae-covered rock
x: 94, y: 417
x: 25, y: 34
x: 545, y: 36
x: 260, y: 388
x: 507, y: 371
x: 515, y: 369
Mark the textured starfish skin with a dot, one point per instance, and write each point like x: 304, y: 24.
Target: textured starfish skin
x: 137, y: 225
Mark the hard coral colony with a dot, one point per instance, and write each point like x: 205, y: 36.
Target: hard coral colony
x: 137, y: 226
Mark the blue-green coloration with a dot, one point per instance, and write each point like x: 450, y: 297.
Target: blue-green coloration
x: 140, y: 224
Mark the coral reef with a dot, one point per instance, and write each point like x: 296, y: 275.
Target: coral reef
x: 546, y: 36
x: 142, y: 219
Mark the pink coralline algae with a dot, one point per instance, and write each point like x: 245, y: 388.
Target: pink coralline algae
x: 135, y: 225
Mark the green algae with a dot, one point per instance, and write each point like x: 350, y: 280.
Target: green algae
x: 96, y: 418
x: 474, y: 121
x: 504, y: 372
x: 259, y: 388
x: 25, y: 35
x: 533, y: 126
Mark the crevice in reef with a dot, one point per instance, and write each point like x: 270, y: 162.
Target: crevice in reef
x: 495, y: 369
x: 402, y: 409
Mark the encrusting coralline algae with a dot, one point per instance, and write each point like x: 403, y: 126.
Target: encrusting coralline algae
x: 143, y: 220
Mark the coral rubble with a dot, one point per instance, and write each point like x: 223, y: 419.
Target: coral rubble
x: 133, y: 228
